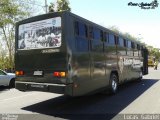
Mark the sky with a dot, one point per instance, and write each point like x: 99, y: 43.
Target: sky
x: 143, y: 24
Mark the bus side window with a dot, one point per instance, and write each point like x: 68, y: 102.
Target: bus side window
x: 133, y: 47
x: 111, y: 40
x: 97, y: 43
x: 86, y: 31
x: 101, y: 36
x: 82, y: 44
x: 141, y: 51
x: 121, y: 42
x: 136, y: 50
x: 129, y: 48
x: 96, y: 33
x: 116, y: 39
x: 76, y: 30
x: 121, y: 46
x: 81, y: 29
x: 90, y: 32
x: 129, y: 45
x: 125, y: 43
x: 106, y: 37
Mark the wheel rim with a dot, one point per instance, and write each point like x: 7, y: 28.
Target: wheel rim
x: 114, y: 84
x: 141, y: 74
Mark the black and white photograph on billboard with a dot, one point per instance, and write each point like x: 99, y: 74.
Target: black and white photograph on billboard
x: 41, y: 34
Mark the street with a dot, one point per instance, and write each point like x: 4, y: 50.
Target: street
x: 132, y: 98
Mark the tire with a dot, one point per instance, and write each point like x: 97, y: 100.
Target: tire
x: 12, y: 83
x: 140, y: 78
x: 113, y: 85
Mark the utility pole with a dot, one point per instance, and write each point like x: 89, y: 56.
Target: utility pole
x: 46, y: 6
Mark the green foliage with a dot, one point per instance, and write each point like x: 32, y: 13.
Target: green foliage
x: 51, y: 7
x: 126, y: 35
x: 11, y: 11
x: 116, y: 30
x: 154, y: 52
x: 129, y: 36
x: 62, y: 5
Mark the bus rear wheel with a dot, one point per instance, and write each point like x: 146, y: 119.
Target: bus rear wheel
x: 113, y: 85
x: 140, y: 78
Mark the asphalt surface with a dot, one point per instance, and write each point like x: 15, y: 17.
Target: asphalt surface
x: 135, y: 98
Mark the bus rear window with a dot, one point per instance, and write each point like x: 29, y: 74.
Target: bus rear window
x: 40, y: 34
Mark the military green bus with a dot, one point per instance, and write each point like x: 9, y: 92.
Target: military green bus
x: 66, y: 54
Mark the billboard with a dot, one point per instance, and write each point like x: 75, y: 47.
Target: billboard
x: 40, y: 34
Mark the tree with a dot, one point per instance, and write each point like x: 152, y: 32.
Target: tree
x: 11, y: 11
x: 62, y: 5
x: 51, y: 7
x: 127, y: 35
x: 115, y: 29
x: 2, y: 57
x: 154, y: 52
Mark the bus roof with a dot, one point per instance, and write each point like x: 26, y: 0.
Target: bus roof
x: 49, y: 15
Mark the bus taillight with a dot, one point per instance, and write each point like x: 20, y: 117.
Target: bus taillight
x: 59, y: 74
x: 19, y: 73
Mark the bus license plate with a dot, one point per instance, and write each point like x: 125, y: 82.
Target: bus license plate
x: 38, y: 73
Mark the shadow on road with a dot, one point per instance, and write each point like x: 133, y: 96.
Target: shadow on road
x: 4, y: 88
x: 93, y: 106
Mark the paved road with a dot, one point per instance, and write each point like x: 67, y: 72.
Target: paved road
x: 133, y: 98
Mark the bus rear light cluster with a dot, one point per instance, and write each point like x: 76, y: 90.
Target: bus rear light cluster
x: 59, y: 74
x: 19, y: 73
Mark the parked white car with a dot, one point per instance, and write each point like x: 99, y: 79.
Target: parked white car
x: 7, y: 79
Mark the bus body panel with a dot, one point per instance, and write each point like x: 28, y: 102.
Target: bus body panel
x: 82, y: 64
x: 47, y: 61
x: 87, y: 70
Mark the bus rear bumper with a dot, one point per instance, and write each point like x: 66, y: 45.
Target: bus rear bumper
x: 44, y: 87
